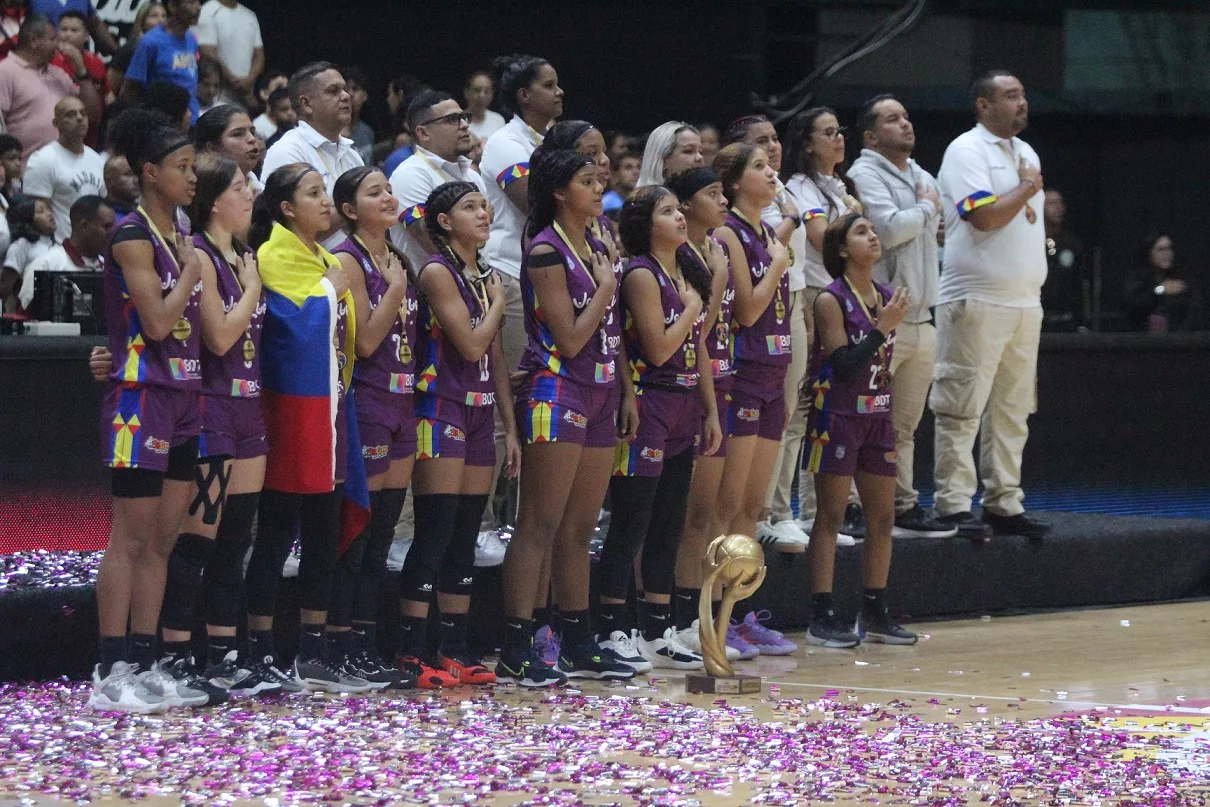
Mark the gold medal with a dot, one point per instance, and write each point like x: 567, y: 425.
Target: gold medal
x: 405, y: 353
x: 249, y: 349
x: 883, y: 378
x: 181, y: 330
x: 690, y: 357
x: 791, y: 251
x: 722, y: 335
x: 780, y: 308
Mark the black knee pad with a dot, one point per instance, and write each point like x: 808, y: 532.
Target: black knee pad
x: 185, y: 566
x: 436, y: 520
x: 385, y: 507
x: 319, y: 537
x: 223, y: 581
x: 458, y: 566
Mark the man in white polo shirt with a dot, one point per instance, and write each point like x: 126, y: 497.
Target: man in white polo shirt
x: 324, y: 108
x: 442, y: 140
x: 989, y: 313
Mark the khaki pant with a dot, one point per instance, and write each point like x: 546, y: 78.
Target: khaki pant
x: 513, y: 331
x: 789, y: 453
x: 985, y: 379
x: 912, y: 370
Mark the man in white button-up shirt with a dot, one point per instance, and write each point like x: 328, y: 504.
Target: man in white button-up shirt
x: 443, y: 139
x: 989, y: 313
x: 324, y: 108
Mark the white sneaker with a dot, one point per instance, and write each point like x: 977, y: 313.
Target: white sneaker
x: 398, y: 553
x: 667, y: 653
x: 120, y: 691
x: 622, y: 645
x: 807, y: 524
x: 691, y: 639
x: 489, y: 549
x: 160, y: 682
x: 784, y: 536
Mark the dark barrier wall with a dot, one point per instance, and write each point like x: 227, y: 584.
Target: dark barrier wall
x: 1115, y: 411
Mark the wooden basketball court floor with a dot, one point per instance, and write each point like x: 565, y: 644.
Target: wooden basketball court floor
x: 1096, y: 707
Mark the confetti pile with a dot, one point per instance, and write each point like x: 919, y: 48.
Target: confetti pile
x: 527, y: 748
x: 42, y: 569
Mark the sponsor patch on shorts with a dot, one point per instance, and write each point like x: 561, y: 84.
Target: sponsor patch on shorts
x: 157, y: 445
x: 891, y: 456
x: 374, y: 452
x: 454, y: 433
x: 839, y: 452
x: 749, y: 413
x: 652, y: 454
x: 575, y: 419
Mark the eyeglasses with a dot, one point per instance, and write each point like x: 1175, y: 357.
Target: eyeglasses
x: 832, y: 134
x: 453, y: 119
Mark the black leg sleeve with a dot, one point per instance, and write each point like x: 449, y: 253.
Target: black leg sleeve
x: 436, y: 518
x: 667, y: 524
x: 632, y: 497
x: 225, y: 571
x: 319, y: 531
x: 276, y: 526
x: 458, y: 565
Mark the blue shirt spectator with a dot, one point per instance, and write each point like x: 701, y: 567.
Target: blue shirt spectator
x: 162, y: 56
x: 396, y: 158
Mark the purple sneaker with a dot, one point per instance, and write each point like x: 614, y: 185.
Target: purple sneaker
x: 767, y: 640
x: 546, y: 645
x: 747, y: 650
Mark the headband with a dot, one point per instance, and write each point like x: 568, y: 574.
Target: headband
x: 688, y: 183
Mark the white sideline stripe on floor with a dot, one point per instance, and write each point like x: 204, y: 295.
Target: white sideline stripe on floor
x: 1142, y: 707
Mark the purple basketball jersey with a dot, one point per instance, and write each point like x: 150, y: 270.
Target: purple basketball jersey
x: 868, y: 392
x: 392, y: 367
x: 766, y: 341
x: 596, y: 363
x: 718, y: 339
x: 446, y: 374
x: 237, y: 372
x: 174, y: 361
x: 681, y: 369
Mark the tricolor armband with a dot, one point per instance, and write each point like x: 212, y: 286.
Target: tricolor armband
x: 411, y: 215
x: 511, y: 174
x: 814, y: 213
x: 975, y: 201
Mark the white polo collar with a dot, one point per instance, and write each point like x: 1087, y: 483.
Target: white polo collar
x: 315, y: 140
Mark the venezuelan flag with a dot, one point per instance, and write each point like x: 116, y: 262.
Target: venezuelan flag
x: 814, y: 213
x: 511, y: 174
x: 975, y: 201
x: 299, y: 364
x: 411, y: 215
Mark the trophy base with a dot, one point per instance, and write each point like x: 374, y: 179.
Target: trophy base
x: 700, y: 683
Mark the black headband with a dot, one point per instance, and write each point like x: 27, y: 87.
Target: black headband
x: 686, y: 184
x: 170, y: 145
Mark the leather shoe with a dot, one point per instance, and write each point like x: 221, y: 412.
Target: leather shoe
x: 1020, y: 524
x: 968, y: 526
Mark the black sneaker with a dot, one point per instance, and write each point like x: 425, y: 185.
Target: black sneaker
x: 526, y: 669
x: 854, y: 522
x: 968, y: 526
x: 368, y: 666
x: 226, y: 673
x: 590, y: 661
x: 1020, y: 524
x: 264, y: 678
x: 881, y: 629
x: 917, y: 523
x: 827, y: 630
x: 322, y: 675
x: 185, y: 673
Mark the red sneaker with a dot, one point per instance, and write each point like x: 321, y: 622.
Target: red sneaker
x: 427, y: 675
x: 466, y: 669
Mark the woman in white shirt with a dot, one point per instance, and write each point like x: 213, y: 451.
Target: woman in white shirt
x: 479, y: 90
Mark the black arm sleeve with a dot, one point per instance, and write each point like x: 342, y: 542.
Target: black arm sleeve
x: 847, y: 361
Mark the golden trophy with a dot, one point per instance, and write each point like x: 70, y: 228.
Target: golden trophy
x: 738, y: 563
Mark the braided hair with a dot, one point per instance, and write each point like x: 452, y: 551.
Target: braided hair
x: 634, y: 224
x: 443, y: 199
x: 549, y: 170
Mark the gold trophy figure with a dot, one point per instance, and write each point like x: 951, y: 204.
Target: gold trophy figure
x: 738, y: 563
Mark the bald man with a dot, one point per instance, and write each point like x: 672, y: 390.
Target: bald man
x: 64, y: 170
x: 122, y: 185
